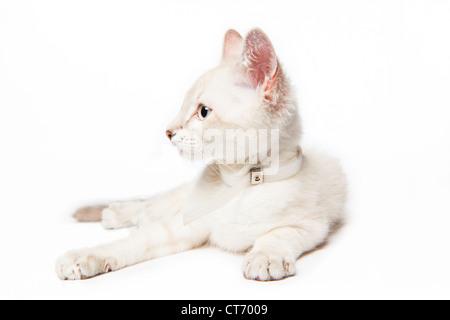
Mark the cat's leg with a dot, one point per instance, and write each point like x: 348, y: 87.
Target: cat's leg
x: 93, y: 213
x: 132, y: 213
x: 158, y: 239
x: 275, y: 253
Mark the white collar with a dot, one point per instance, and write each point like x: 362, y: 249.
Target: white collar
x: 256, y: 174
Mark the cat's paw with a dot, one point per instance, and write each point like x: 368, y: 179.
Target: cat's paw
x: 118, y: 215
x: 264, y: 267
x: 79, y: 265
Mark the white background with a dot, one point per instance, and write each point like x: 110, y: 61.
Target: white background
x: 88, y: 87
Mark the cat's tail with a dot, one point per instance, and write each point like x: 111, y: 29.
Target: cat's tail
x: 89, y: 213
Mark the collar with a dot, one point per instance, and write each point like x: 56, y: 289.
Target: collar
x: 259, y: 174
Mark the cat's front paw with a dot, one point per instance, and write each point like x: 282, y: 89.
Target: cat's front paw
x: 79, y: 265
x: 264, y: 267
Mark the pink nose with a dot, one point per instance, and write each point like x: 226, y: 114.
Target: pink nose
x: 169, y: 134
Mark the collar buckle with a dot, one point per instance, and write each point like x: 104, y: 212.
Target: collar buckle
x: 256, y: 175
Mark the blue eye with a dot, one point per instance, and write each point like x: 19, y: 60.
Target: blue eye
x: 203, y: 112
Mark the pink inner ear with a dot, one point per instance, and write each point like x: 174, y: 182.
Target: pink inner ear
x: 259, y: 57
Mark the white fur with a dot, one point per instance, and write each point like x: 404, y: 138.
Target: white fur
x: 274, y: 223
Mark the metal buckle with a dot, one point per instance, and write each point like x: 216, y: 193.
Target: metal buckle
x: 256, y: 175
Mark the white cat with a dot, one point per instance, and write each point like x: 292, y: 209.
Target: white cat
x: 236, y: 205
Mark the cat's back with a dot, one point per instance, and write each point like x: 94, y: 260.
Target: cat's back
x: 322, y: 179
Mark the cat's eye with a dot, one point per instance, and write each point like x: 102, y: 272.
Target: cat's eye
x: 203, y: 112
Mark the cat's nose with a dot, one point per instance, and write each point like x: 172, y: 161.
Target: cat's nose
x: 170, y: 134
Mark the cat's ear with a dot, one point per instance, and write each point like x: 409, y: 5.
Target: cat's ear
x: 232, y: 46
x: 259, y: 64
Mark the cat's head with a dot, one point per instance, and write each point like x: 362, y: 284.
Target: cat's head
x: 247, y: 94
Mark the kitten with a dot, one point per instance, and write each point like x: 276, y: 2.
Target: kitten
x: 273, y: 202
